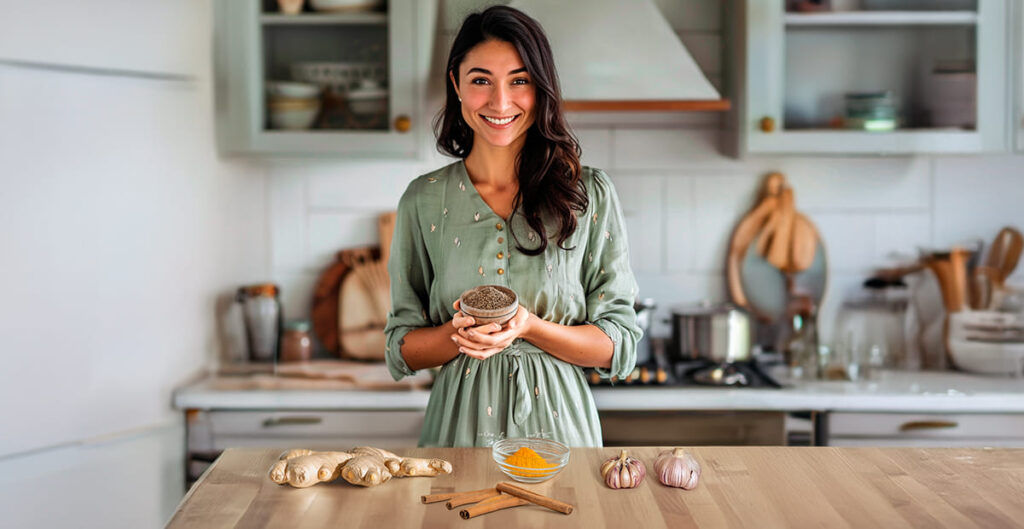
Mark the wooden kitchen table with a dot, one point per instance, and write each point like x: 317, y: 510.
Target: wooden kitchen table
x: 739, y: 487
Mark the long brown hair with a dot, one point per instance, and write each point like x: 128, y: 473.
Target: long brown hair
x: 548, y: 167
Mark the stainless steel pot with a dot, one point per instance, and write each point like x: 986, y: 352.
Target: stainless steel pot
x: 720, y: 333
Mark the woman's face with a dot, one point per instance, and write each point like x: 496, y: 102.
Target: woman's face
x: 497, y: 93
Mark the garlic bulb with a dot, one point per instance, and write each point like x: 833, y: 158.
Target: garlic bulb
x: 676, y: 468
x: 623, y: 472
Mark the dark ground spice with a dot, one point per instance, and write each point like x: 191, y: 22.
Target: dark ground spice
x: 488, y: 298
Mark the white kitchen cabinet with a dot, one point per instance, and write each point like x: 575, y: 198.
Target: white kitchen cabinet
x: 255, y: 44
x: 1018, y: 111
x: 926, y: 430
x: 792, y: 73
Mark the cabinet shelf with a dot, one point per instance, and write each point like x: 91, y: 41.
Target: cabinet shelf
x: 882, y: 18
x: 312, y: 19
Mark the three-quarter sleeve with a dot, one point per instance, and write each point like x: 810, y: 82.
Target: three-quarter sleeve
x: 411, y: 274
x: 608, y: 279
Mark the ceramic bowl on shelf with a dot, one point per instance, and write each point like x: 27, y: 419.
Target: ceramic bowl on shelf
x: 293, y: 114
x: 340, y: 77
x: 555, y: 454
x: 292, y: 90
x: 482, y: 315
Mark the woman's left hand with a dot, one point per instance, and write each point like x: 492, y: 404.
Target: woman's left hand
x: 484, y: 341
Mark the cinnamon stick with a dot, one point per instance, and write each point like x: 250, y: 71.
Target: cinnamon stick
x: 533, y: 497
x: 471, y: 497
x: 496, y: 503
x: 445, y: 496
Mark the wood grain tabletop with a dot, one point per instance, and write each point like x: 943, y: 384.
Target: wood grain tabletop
x: 758, y: 487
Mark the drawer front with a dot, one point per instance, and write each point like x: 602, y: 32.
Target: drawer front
x: 328, y: 430
x: 926, y: 426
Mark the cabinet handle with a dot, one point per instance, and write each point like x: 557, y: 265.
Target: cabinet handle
x: 927, y: 425
x: 767, y: 124
x: 403, y: 123
x: 288, y: 421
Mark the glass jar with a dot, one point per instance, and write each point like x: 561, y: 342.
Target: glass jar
x: 296, y: 344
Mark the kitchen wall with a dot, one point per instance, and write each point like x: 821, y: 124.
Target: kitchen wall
x: 120, y: 226
x: 681, y: 197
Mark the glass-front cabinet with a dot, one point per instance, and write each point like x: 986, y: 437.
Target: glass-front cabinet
x: 871, y: 76
x: 317, y: 77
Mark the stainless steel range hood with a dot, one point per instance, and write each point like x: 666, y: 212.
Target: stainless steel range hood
x: 621, y: 55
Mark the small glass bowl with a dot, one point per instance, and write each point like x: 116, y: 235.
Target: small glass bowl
x: 555, y: 453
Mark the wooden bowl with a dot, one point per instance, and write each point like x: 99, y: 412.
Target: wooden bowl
x: 484, y: 316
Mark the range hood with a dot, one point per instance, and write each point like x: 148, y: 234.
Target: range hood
x: 621, y: 55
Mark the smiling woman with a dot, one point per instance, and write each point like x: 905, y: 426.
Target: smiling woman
x: 519, y: 212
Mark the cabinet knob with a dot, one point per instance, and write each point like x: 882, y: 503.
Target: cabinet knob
x: 767, y: 124
x: 403, y: 123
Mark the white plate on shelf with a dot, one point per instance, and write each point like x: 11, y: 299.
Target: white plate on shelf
x: 335, y: 6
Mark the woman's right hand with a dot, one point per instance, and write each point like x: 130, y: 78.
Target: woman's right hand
x: 461, y: 320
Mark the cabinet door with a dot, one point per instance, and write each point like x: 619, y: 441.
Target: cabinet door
x: 881, y: 80
x: 364, y: 63
x: 1018, y: 114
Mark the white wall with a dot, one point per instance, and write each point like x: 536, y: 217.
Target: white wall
x: 120, y: 226
x: 681, y: 197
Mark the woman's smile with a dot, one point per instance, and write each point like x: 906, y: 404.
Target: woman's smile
x: 500, y: 122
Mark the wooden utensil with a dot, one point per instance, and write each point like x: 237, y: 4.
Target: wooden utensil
x: 325, y: 295
x: 779, y: 249
x: 804, y: 245
x: 1005, y: 252
x: 747, y: 230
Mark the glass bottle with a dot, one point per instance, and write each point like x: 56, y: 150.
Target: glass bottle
x: 296, y: 344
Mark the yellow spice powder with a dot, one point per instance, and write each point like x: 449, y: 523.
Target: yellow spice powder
x: 528, y: 458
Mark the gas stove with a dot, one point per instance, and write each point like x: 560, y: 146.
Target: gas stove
x: 696, y: 373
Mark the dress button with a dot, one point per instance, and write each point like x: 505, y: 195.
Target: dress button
x: 499, y: 226
x: 501, y: 240
x: 501, y: 255
x: 501, y: 271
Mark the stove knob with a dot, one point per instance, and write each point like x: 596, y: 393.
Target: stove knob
x: 645, y: 375
x: 595, y: 378
x: 661, y: 376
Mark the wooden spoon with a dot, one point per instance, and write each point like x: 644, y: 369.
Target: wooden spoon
x: 1005, y: 252
x: 779, y: 251
x: 804, y: 245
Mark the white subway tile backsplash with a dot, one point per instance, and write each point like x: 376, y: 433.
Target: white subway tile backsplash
x: 360, y: 186
x: 667, y: 149
x: 900, y: 235
x: 858, y: 183
x: 678, y: 237
x: 297, y: 293
x: 849, y: 240
x: 287, y: 222
x: 975, y: 199
x: 330, y: 232
x: 719, y: 203
x: 596, y: 145
x: 641, y: 198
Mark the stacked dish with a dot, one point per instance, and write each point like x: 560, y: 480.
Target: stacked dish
x: 987, y: 342
x: 292, y: 105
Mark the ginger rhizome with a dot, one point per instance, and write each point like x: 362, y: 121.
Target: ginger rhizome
x: 365, y: 466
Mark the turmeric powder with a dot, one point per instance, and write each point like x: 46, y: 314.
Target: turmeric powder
x: 526, y: 457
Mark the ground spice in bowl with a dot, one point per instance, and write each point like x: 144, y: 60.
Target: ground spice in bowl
x: 527, y: 457
x: 489, y: 304
x: 488, y: 298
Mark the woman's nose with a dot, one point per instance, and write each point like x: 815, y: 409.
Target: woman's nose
x: 499, y: 98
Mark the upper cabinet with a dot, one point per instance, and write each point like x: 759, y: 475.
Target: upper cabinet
x: 1018, y: 114
x: 870, y: 76
x: 339, y: 77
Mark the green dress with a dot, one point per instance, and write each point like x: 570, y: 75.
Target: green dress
x: 447, y: 240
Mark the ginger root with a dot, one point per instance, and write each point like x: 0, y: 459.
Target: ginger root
x: 365, y: 466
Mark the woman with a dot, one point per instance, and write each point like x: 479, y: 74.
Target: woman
x: 517, y: 210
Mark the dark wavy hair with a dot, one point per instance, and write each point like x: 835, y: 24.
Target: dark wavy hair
x: 548, y: 167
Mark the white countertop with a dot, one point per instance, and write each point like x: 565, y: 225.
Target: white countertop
x: 892, y: 391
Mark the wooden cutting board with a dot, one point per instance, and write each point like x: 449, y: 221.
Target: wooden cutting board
x: 319, y: 374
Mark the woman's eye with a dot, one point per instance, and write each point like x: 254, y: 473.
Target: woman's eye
x: 479, y: 80
x: 521, y: 81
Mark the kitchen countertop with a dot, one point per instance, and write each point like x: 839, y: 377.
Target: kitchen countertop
x: 893, y: 391
x: 739, y: 487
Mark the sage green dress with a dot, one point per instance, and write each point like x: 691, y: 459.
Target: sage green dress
x: 447, y: 240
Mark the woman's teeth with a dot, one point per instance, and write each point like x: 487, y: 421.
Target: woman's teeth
x: 502, y: 121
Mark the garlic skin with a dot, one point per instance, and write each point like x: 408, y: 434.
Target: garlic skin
x: 623, y: 472
x: 676, y: 468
